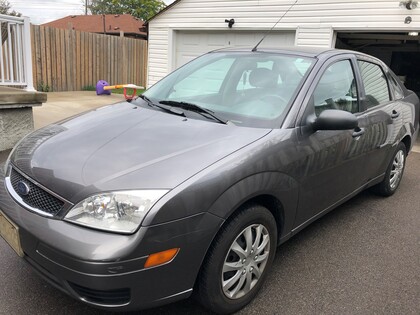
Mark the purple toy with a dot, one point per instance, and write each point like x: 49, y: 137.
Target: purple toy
x: 100, y: 88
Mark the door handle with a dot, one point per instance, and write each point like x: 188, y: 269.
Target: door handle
x: 395, y: 114
x: 358, y: 132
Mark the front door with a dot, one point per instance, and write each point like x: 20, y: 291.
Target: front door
x: 332, y: 161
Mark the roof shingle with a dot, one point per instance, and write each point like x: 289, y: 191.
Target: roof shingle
x: 95, y: 24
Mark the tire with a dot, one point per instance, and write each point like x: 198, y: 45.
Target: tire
x: 233, y: 272
x: 394, y: 173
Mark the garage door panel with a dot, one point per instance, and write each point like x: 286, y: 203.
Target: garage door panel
x: 243, y: 39
x: 191, y: 44
x: 182, y: 59
x: 191, y: 40
x: 216, y: 40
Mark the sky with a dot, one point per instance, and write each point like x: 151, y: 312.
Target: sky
x: 43, y: 11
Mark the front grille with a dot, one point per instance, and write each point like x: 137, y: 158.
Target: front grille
x: 37, y: 197
x: 111, y: 297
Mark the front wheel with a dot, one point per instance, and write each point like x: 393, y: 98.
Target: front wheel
x: 394, y: 173
x: 238, y: 260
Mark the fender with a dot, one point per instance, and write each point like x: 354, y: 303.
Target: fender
x: 276, y: 185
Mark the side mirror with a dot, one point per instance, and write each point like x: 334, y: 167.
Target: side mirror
x: 335, y: 119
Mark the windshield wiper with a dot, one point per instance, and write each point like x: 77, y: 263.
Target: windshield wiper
x: 195, y: 108
x: 166, y: 109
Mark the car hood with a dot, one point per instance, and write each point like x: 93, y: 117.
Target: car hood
x: 122, y: 147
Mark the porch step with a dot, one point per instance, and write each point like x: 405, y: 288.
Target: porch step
x: 12, y: 98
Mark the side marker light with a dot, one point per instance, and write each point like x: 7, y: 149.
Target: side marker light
x: 161, y: 258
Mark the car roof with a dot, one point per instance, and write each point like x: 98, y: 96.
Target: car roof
x: 303, y: 51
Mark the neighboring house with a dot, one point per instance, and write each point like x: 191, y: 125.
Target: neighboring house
x: 108, y: 24
x: 188, y: 28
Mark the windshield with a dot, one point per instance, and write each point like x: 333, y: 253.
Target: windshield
x: 247, y: 89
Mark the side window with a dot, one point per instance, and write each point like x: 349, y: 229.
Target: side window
x: 337, y: 89
x: 376, y: 85
x: 204, y: 81
x: 399, y: 94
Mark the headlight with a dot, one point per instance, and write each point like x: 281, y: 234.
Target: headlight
x: 120, y: 211
x: 7, y: 163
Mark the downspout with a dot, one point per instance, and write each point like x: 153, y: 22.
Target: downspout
x: 103, y: 19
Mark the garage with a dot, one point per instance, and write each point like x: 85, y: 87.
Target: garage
x: 400, y: 51
x: 188, y: 28
x: 191, y: 44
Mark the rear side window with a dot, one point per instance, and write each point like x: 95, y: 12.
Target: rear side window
x: 375, y: 82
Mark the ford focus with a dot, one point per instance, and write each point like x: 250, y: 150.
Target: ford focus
x: 190, y: 188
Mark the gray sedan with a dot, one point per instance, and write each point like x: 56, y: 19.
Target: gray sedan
x: 190, y: 188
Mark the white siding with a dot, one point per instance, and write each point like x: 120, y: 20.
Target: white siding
x: 158, y: 65
x: 314, y: 20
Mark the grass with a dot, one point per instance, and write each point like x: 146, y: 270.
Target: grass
x: 89, y: 88
x: 129, y: 91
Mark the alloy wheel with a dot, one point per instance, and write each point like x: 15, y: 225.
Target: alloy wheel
x: 245, y: 261
x: 397, y: 169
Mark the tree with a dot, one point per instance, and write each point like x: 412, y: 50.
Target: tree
x: 5, y: 8
x: 142, y: 9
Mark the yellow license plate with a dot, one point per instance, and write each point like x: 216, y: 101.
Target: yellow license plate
x: 10, y: 232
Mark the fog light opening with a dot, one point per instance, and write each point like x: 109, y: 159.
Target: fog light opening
x: 161, y: 258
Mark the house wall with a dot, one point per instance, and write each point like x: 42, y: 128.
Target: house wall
x: 315, y: 22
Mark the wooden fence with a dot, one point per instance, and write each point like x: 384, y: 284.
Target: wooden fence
x: 68, y: 60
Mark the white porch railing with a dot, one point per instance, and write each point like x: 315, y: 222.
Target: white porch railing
x: 15, y: 52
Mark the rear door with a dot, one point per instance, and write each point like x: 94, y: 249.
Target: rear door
x: 384, y: 115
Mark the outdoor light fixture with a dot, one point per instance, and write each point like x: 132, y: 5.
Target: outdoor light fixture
x: 409, y: 4
x: 408, y: 20
x: 413, y: 33
x: 230, y: 22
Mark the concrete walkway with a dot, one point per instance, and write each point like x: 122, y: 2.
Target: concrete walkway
x: 61, y: 105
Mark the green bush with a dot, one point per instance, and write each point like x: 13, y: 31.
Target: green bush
x: 43, y: 87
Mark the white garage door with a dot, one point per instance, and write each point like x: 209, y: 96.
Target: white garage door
x: 191, y: 44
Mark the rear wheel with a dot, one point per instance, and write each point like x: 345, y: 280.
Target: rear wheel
x: 394, y: 173
x: 238, y: 260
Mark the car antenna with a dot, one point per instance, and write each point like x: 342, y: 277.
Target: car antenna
x: 269, y: 31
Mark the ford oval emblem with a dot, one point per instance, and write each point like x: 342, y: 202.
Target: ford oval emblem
x: 23, y: 188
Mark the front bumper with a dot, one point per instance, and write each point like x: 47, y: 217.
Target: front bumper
x: 106, y: 270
